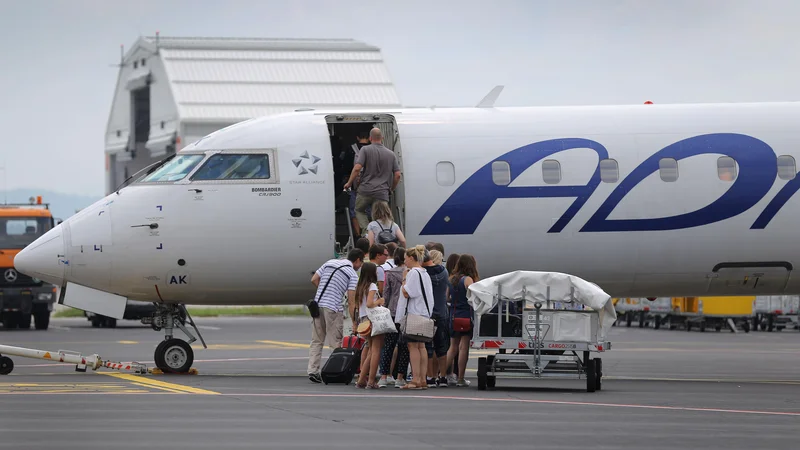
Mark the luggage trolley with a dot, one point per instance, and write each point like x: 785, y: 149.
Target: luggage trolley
x: 551, y: 340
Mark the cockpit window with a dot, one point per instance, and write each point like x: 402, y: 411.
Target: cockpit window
x: 175, y: 170
x: 235, y: 167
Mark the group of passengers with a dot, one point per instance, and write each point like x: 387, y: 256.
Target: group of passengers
x: 381, y: 272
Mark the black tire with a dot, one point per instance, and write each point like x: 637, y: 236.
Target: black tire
x: 24, y: 322
x: 97, y: 321
x: 591, y: 376
x: 688, y: 326
x: 628, y: 319
x: 657, y: 323
x: 702, y: 327
x: 598, y: 365
x: 718, y: 328
x: 746, y: 326
x: 110, y: 322
x: 6, y: 365
x: 41, y: 320
x: 10, y: 320
x: 175, y: 356
x: 482, y: 374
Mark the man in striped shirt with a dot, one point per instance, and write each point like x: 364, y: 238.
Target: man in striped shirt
x: 335, y: 279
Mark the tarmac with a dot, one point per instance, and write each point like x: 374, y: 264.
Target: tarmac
x: 662, y: 389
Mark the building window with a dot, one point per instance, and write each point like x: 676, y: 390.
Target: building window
x: 726, y: 168
x: 445, y: 173
x: 236, y: 167
x: 119, y: 133
x: 609, y: 170
x: 162, y: 124
x: 668, y: 169
x: 501, y: 173
x: 786, y: 167
x: 144, y: 62
x: 136, y: 64
x: 551, y: 171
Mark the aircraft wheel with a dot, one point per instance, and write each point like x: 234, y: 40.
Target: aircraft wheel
x: 6, y: 365
x: 174, y: 356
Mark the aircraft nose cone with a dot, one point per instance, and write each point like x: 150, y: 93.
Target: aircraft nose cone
x: 41, y: 258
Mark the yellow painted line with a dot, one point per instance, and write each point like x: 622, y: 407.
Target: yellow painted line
x: 286, y: 344
x: 161, y: 384
x: 127, y: 342
x: 159, y: 387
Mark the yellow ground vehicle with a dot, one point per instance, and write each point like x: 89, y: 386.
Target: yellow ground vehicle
x: 23, y: 298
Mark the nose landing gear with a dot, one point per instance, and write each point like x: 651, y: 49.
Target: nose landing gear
x: 173, y: 355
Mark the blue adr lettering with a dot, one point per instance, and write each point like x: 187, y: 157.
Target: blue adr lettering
x: 469, y: 204
x: 783, y: 196
x: 757, y: 171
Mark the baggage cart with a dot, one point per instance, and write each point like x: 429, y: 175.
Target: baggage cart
x: 775, y: 312
x: 544, y: 325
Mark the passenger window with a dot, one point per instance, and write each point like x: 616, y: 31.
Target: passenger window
x: 501, y: 173
x: 235, y: 167
x: 786, y: 167
x: 668, y: 169
x: 726, y: 168
x: 174, y: 170
x: 609, y: 170
x: 551, y: 171
x: 445, y: 173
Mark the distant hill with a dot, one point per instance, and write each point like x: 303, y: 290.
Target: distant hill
x: 62, y: 205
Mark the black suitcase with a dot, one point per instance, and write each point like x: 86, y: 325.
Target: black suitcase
x: 341, y: 366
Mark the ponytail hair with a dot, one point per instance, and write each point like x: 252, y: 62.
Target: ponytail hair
x: 417, y: 253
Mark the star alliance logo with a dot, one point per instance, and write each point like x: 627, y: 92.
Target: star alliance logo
x: 304, y: 159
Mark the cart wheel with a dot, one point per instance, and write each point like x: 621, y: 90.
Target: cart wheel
x: 702, y: 327
x: 482, y: 374
x: 746, y: 326
x: 779, y: 328
x: 688, y: 326
x: 718, y: 327
x: 628, y: 319
x: 591, y: 376
x: 657, y: 323
x: 6, y: 365
x: 598, y: 363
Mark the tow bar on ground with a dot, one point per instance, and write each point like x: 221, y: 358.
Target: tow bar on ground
x: 82, y: 362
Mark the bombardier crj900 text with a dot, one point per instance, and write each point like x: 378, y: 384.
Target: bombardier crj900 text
x: 643, y: 200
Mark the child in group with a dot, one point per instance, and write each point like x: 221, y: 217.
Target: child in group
x: 367, y: 292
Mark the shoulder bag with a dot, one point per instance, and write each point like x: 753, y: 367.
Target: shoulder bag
x: 419, y: 328
x: 312, y: 305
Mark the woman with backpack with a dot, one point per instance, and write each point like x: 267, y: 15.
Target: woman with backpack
x: 382, y: 229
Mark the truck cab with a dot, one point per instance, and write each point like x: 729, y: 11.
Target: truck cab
x: 23, y: 299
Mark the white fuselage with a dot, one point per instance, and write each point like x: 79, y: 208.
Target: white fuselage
x: 705, y: 233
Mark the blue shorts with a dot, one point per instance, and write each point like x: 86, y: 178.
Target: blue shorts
x: 441, y: 339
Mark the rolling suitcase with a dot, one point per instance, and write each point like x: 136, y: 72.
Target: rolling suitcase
x: 341, y: 366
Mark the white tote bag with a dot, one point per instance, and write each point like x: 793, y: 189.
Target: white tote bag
x: 382, y: 322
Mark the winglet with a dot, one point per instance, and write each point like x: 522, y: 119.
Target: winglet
x: 491, y: 97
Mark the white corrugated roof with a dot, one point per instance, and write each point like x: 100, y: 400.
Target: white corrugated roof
x: 230, y: 79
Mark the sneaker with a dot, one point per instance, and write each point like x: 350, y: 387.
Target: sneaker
x: 441, y: 382
x: 390, y: 380
x: 315, y: 378
x: 399, y: 383
x: 463, y: 383
x: 431, y: 382
x: 383, y: 383
x: 452, y: 379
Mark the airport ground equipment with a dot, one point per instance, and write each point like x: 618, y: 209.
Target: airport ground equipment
x: 644, y: 310
x: 23, y: 299
x: 775, y: 312
x: 82, y: 362
x: 703, y: 313
x: 543, y: 325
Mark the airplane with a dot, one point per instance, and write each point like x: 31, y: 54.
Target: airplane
x: 644, y: 200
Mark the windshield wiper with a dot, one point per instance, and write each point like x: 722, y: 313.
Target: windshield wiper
x: 150, y: 169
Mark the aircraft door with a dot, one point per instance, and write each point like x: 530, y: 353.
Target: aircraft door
x: 749, y: 278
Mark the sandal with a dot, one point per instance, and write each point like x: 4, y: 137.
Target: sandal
x: 360, y: 386
x: 412, y: 386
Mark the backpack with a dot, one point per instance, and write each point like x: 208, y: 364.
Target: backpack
x: 385, y: 236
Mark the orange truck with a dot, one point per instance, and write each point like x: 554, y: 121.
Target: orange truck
x: 23, y: 299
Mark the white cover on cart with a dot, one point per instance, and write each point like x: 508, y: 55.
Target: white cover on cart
x: 563, y: 288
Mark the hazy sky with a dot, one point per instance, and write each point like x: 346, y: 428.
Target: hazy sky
x: 57, y: 81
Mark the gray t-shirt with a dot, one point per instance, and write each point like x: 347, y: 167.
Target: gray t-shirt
x: 379, y: 165
x: 375, y: 227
